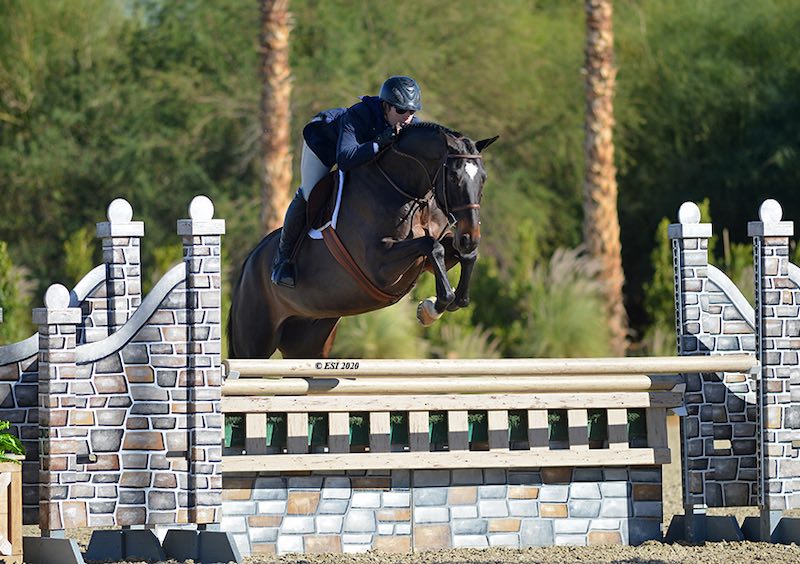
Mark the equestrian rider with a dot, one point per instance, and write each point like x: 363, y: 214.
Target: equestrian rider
x: 346, y: 137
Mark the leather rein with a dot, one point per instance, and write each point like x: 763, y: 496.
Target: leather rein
x: 423, y: 202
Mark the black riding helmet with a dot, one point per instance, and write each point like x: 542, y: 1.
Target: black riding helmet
x: 402, y: 92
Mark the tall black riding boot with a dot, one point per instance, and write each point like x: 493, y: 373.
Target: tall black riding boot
x: 293, y: 226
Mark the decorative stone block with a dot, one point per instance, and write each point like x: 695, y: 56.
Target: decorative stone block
x: 329, y: 524
x: 470, y: 541
x: 584, y: 508
x: 366, y: 500
x: 393, y: 544
x: 558, y: 510
x: 295, y: 525
x: 431, y: 537
x: 360, y: 521
x: 504, y: 525
x: 302, y: 503
x: 397, y: 499
x: 430, y: 515
x: 431, y: 478
x: 523, y: 492
x: 506, y: 540
x: 322, y: 544
x: 537, y: 533
x: 470, y: 526
x: 554, y: 493
x: 427, y: 496
x: 523, y: 508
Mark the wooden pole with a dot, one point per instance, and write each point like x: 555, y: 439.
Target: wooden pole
x: 451, y: 385
x: 490, y: 367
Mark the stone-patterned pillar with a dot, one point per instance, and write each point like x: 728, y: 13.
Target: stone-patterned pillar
x: 778, y: 342
x: 690, y: 262
x: 121, y: 254
x: 719, y: 430
x: 61, y: 439
x: 201, y: 251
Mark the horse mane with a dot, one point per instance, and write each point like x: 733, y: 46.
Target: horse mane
x: 433, y: 126
x: 455, y: 139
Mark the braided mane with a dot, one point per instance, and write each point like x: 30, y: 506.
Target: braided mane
x: 455, y: 139
x: 434, y: 126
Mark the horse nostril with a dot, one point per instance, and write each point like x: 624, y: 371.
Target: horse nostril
x: 465, y: 241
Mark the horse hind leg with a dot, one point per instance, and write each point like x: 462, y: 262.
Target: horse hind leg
x: 255, y: 340
x: 307, y: 338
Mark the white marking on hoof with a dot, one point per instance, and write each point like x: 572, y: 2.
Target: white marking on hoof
x: 426, y: 312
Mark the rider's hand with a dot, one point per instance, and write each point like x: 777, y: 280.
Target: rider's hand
x: 385, y: 137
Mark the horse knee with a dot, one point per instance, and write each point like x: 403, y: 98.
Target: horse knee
x: 437, y: 251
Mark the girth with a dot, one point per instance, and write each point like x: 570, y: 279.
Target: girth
x: 343, y: 257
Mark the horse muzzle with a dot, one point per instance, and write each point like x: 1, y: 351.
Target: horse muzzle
x: 466, y: 243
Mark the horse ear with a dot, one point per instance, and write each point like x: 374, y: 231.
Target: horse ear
x: 483, y: 143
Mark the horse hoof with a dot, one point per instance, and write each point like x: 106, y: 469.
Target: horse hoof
x: 426, y: 312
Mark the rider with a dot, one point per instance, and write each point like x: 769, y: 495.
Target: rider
x: 346, y: 137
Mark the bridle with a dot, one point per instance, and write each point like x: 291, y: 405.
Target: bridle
x: 434, y: 187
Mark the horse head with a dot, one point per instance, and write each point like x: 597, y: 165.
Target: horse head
x: 456, y: 175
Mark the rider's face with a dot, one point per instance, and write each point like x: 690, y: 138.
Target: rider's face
x: 395, y: 118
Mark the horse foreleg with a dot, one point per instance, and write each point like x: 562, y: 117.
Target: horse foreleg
x: 462, y: 290
x: 404, y: 251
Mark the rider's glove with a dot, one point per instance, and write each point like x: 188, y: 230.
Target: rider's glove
x: 385, y: 137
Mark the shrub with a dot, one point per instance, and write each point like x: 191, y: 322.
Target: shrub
x: 563, y: 314
x: 392, y: 332
x: 9, y: 444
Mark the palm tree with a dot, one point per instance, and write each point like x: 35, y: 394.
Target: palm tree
x: 601, y: 223
x: 275, y: 112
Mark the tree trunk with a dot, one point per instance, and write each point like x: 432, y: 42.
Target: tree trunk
x: 275, y: 112
x: 601, y: 223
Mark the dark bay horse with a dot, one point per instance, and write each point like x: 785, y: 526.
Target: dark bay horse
x: 416, y: 206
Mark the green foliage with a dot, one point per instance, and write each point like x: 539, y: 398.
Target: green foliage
x: 164, y: 258
x: 476, y: 416
x: 706, y: 108
x: 9, y: 444
x: 392, y: 332
x: 79, y: 250
x: 659, y: 293
x: 737, y: 262
x: 104, y: 100
x: 158, y: 101
x: 436, y: 417
x: 458, y: 341
x: 16, y: 323
x: 562, y: 312
x: 518, y: 418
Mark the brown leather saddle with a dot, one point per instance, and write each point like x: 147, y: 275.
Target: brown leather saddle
x: 322, y: 200
x: 319, y: 208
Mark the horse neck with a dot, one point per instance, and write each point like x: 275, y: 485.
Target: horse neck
x: 414, y: 171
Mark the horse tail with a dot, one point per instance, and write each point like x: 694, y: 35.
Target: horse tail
x: 238, y: 332
x: 229, y: 330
